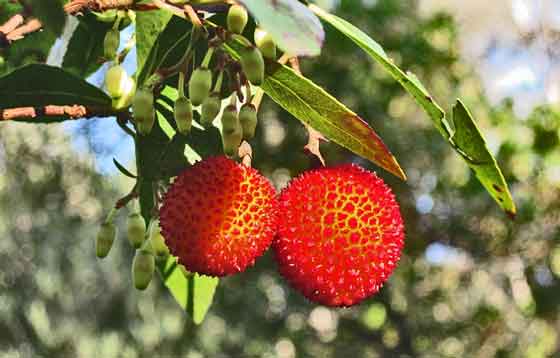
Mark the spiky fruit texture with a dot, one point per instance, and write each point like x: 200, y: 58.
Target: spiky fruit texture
x: 340, y: 236
x: 219, y: 216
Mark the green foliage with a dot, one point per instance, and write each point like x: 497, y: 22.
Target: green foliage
x: 312, y: 105
x: 50, y: 13
x: 163, y: 41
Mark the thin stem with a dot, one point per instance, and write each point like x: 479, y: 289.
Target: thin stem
x: 219, y: 81
x: 207, y: 57
x: 181, y: 84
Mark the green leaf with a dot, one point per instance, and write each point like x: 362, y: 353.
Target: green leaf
x: 40, y: 85
x: 50, y: 13
x: 312, y: 105
x: 470, y: 144
x: 85, y: 48
x: 194, y: 293
x: 409, y: 81
x: 123, y: 170
x: 294, y: 28
x: 168, y: 49
x: 149, y: 25
x: 473, y: 149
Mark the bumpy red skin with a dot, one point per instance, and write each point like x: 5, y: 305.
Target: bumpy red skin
x: 340, y: 234
x: 219, y: 216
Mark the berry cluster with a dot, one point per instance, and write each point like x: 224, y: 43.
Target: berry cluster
x: 337, y: 233
x: 204, y: 88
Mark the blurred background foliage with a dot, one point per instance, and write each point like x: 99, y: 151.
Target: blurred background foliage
x: 471, y: 283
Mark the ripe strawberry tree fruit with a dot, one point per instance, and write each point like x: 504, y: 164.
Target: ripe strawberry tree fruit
x: 340, y: 236
x: 340, y: 233
x: 219, y: 216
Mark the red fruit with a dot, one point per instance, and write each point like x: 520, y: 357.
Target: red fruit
x: 340, y: 235
x: 219, y: 216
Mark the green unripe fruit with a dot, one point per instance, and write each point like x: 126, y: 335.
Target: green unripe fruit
x: 143, y: 110
x: 230, y: 121
x: 232, y: 132
x: 264, y: 42
x: 105, y: 239
x: 248, y: 120
x: 2, y: 62
x: 158, y: 241
x: 232, y: 140
x: 237, y: 18
x: 126, y: 99
x: 183, y: 114
x: 111, y: 44
x: 143, y: 267
x: 210, y: 109
x: 252, y: 63
x: 136, y: 230
x: 200, y: 85
x: 116, y: 81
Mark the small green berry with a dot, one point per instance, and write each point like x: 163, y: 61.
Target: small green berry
x: 210, y: 109
x: 237, y: 19
x: 230, y: 120
x: 248, y: 120
x: 200, y: 85
x: 143, y: 267
x: 117, y: 81
x: 111, y: 44
x: 143, y: 110
x: 158, y: 241
x: 252, y: 63
x: 232, y: 132
x: 264, y: 42
x: 183, y: 114
x: 105, y: 239
x: 136, y: 230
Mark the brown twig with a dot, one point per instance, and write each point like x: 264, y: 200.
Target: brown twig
x: 122, y: 202
x: 72, y: 112
x: 15, y: 29
x: 77, y: 6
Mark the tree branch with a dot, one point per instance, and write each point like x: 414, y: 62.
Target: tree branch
x: 72, y: 112
x: 15, y: 29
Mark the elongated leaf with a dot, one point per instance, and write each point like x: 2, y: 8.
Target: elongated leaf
x: 294, y: 28
x: 470, y: 144
x: 312, y: 105
x: 40, y: 85
x: 194, y: 293
x: 149, y: 25
x: 409, y: 81
x: 473, y: 150
x: 170, y: 45
x: 50, y: 13
x: 123, y: 170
